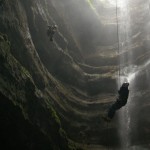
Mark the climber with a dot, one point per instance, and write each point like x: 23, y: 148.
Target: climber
x: 120, y: 102
x: 51, y: 31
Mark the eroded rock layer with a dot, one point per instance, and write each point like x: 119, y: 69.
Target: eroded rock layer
x: 68, y: 84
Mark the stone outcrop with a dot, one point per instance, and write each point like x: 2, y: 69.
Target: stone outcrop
x: 55, y: 92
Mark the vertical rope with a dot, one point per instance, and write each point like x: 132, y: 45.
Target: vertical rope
x: 117, y: 22
x: 108, y: 135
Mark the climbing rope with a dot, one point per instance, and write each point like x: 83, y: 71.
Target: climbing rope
x: 117, y: 22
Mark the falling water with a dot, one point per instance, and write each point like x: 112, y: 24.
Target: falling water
x: 128, y: 72
x: 124, y: 39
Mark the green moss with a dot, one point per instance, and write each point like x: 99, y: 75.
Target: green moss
x: 13, y: 76
x: 55, y: 116
x: 25, y: 72
x: 72, y: 145
x: 62, y: 133
x: 10, y: 62
x: 4, y: 46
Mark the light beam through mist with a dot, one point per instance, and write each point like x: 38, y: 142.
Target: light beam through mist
x: 128, y: 72
x: 120, y: 4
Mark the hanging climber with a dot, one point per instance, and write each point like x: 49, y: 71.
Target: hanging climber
x: 51, y: 31
x: 120, y: 102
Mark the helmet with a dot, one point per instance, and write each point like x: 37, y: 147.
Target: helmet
x: 125, y: 84
x: 55, y: 26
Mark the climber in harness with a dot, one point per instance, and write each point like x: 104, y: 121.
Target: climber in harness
x: 120, y: 102
x: 51, y: 31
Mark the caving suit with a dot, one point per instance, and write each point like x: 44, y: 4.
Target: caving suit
x: 121, y: 101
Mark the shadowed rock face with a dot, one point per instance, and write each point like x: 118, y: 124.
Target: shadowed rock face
x: 76, y: 74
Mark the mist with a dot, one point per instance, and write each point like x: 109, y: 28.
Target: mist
x: 55, y: 89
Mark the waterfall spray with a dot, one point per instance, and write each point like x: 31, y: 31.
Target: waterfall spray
x: 123, y: 29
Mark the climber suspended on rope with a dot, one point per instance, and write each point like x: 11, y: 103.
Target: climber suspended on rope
x: 120, y: 102
x: 51, y: 31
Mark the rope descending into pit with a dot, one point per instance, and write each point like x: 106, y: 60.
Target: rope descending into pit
x: 118, y: 46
